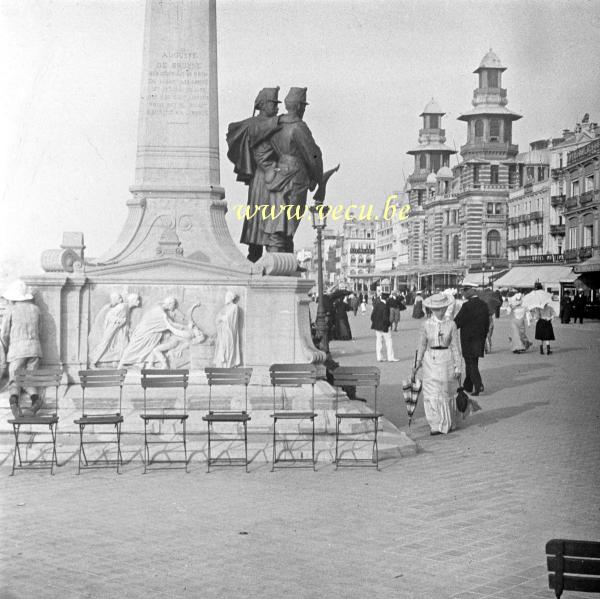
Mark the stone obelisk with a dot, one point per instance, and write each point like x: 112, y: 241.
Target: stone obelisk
x: 177, y: 205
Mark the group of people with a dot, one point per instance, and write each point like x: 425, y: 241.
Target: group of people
x: 457, y: 332
x: 573, y: 307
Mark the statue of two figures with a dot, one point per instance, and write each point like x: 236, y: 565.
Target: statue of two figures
x: 280, y: 162
x: 161, y: 337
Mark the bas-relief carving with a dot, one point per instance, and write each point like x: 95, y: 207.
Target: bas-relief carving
x: 162, y: 336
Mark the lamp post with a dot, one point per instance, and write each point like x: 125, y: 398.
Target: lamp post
x: 492, y: 277
x: 319, y: 214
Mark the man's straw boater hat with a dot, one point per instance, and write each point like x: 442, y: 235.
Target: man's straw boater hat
x: 438, y: 300
x: 297, y: 94
x: 17, y: 291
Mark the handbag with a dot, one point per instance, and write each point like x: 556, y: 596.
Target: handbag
x: 462, y: 400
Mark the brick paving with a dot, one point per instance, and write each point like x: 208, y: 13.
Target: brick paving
x: 467, y: 517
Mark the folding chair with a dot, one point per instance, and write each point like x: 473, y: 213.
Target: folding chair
x: 227, y: 376
x: 41, y: 378
x: 356, y: 376
x: 164, y: 379
x: 89, y: 379
x: 292, y: 375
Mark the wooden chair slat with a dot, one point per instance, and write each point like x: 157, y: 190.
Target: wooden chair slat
x: 573, y: 548
x: 575, y: 565
x: 577, y: 583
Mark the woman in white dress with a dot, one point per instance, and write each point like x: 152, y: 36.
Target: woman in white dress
x: 438, y: 353
x: 519, y: 319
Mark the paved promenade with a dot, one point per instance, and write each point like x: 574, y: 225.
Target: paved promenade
x: 467, y: 517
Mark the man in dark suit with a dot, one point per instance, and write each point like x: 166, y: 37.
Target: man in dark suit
x: 380, y: 323
x: 473, y: 321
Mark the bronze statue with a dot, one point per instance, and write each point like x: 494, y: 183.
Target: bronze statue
x: 299, y: 169
x: 253, y: 155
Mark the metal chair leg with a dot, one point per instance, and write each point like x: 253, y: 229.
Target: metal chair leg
x: 246, y: 443
x: 313, y: 444
x: 185, y: 445
x: 81, y: 426
x: 119, y: 455
x: 146, y: 450
x: 16, y: 434
x: 375, y: 445
x: 337, y: 438
x: 54, y: 460
x: 209, y: 452
x: 274, y: 453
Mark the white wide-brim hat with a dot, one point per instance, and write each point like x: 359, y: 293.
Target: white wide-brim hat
x: 17, y: 291
x: 438, y: 300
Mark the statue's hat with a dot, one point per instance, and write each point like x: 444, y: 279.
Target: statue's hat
x: 297, y: 94
x: 267, y: 94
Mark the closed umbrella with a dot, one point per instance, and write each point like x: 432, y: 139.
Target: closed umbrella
x: 411, y: 390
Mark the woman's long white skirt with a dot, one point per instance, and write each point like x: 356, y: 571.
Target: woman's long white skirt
x: 438, y: 389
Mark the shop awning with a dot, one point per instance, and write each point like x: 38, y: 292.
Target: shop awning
x: 590, y: 265
x: 477, y: 279
x: 524, y: 277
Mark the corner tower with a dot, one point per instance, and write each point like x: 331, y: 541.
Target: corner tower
x: 489, y: 122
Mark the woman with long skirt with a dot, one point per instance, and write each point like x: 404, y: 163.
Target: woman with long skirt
x: 518, y: 321
x: 418, y: 306
x: 438, y: 353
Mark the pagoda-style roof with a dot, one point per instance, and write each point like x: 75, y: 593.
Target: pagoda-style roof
x: 432, y: 108
x: 489, y: 110
x: 490, y: 61
x: 432, y: 146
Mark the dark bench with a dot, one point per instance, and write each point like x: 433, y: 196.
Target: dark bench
x: 573, y: 566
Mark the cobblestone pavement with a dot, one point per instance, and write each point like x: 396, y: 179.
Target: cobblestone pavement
x: 468, y: 517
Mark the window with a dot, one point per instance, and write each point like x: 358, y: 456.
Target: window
x: 435, y: 162
x: 478, y: 128
x: 589, y: 183
x: 512, y: 174
x: 588, y: 235
x: 540, y: 173
x: 507, y: 131
x: 494, y: 174
x: 530, y: 172
x: 493, y: 244
x: 493, y: 79
x: 573, y: 238
x: 434, y: 121
x: 498, y: 209
x: 455, y: 248
x: 495, y: 130
x: 423, y: 161
x: 475, y: 173
x: 490, y: 208
x: 575, y: 188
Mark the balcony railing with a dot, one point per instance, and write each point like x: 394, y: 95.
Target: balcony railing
x: 586, y: 197
x: 557, y: 229
x: 495, y: 217
x: 541, y: 259
x: 572, y: 202
x: 523, y: 218
x: 585, y: 252
x: 529, y: 240
x: 558, y: 200
x: 571, y: 255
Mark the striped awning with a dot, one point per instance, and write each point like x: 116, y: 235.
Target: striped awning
x: 525, y: 277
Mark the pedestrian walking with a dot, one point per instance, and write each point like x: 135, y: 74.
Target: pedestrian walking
x: 341, y: 323
x: 380, y: 323
x: 418, y: 306
x: 354, y: 303
x: 544, y: 331
x: 566, y: 308
x: 579, y: 304
x: 473, y: 322
x: 20, y: 337
x: 519, y: 319
x: 438, y: 353
x: 394, y: 304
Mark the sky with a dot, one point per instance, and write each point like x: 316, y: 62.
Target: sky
x: 72, y: 69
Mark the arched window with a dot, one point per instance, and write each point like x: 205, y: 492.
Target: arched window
x: 478, y: 128
x: 422, y: 161
x: 493, y: 244
x: 495, y: 130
